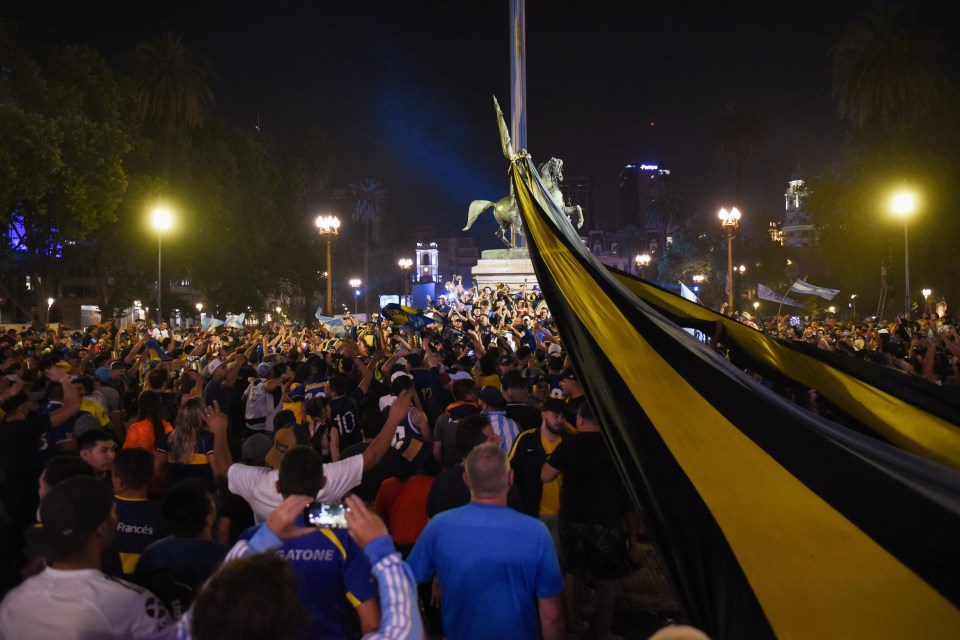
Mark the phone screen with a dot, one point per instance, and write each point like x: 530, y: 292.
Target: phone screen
x: 331, y: 515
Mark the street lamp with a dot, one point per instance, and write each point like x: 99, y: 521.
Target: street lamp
x: 729, y: 221
x: 643, y: 261
x: 926, y: 294
x: 405, y: 265
x: 355, y: 284
x: 200, y: 313
x: 903, y: 204
x: 161, y: 220
x: 329, y: 226
x: 853, y: 306
x: 49, y: 304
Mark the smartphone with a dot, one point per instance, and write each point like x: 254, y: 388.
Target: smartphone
x: 331, y: 515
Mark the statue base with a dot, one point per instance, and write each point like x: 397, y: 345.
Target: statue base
x: 511, y: 267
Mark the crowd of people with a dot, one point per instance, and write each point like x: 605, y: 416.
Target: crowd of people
x: 146, y: 469
x: 154, y: 481
x: 927, y: 346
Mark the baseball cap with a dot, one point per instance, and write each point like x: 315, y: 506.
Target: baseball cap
x: 263, y: 369
x: 491, y: 396
x: 70, y: 513
x: 505, y: 361
x: 118, y: 365
x: 214, y: 365
x: 255, y: 448
x: 554, y: 405
x: 284, y: 440
x: 460, y: 375
x: 568, y: 373
x: 103, y: 374
x: 554, y: 349
x: 398, y: 374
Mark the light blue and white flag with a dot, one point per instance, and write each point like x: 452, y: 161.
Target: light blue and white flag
x: 804, y: 287
x: 235, y: 322
x: 335, y: 325
x: 210, y: 323
x: 766, y: 293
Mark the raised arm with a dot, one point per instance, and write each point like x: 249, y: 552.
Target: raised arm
x: 216, y: 422
x: 71, y: 402
x: 379, y: 445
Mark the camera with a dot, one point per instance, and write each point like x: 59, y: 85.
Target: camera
x: 331, y: 515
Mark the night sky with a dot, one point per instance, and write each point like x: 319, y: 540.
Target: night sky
x: 403, y: 88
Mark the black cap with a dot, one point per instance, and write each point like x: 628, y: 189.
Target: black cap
x: 554, y: 405
x: 70, y: 513
x: 491, y: 396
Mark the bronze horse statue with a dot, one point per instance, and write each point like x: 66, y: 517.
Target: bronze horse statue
x: 505, y: 209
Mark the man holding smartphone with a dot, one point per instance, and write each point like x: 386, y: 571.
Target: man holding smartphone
x: 328, y: 563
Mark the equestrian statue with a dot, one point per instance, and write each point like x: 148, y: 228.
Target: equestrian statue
x: 505, y: 209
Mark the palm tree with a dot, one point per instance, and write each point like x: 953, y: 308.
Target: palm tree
x: 172, y: 87
x: 884, y: 71
x: 369, y: 202
x: 738, y: 134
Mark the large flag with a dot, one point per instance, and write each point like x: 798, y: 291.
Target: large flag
x: 773, y: 522
x: 209, y: 323
x: 404, y: 315
x: 801, y: 286
x: 235, y: 322
x: 766, y: 293
x: 334, y: 325
x: 904, y: 410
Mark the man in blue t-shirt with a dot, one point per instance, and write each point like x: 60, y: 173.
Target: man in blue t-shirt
x: 332, y: 571
x: 497, y: 568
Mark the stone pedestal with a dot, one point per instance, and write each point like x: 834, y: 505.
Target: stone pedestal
x: 512, y: 267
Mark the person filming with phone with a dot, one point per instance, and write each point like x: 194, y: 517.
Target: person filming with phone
x: 332, y: 571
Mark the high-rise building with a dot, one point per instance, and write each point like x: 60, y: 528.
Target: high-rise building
x: 576, y: 190
x: 646, y: 204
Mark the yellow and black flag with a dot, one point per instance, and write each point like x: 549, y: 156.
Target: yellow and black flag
x: 904, y: 410
x: 772, y: 521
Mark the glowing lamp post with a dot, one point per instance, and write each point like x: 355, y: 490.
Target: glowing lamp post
x: 729, y: 221
x: 405, y: 265
x: 903, y: 204
x: 49, y: 304
x: 161, y: 220
x: 329, y: 227
x: 642, y: 261
x: 355, y: 285
x: 926, y: 295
